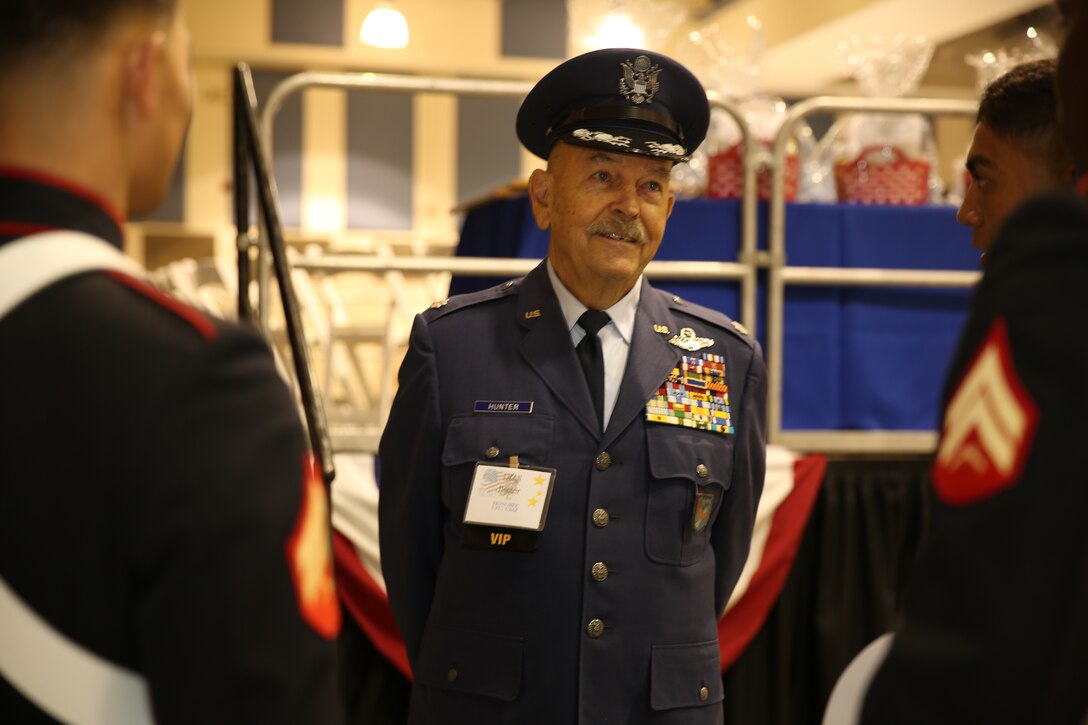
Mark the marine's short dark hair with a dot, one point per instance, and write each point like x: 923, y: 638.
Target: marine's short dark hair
x: 38, y: 28
x: 1023, y: 103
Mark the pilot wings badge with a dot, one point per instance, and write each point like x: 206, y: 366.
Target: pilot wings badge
x: 639, y: 82
x: 687, y: 340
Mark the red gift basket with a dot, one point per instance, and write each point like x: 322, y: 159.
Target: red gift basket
x: 882, y: 175
x: 725, y: 175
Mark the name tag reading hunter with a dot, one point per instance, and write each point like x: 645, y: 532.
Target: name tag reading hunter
x: 507, y: 506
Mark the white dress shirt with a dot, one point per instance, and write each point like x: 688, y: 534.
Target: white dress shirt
x: 615, y: 336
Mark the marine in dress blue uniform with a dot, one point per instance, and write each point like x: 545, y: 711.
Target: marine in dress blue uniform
x: 609, y: 612
x: 152, y: 487
x: 994, y: 621
x: 993, y: 625
x: 164, y: 549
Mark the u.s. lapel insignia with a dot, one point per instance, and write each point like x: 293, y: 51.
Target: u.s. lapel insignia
x: 661, y: 329
x: 687, y: 340
x: 639, y: 82
x: 532, y: 314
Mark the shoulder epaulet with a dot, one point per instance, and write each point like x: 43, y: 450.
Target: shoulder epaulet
x: 459, y: 302
x: 194, y: 317
x: 705, y: 314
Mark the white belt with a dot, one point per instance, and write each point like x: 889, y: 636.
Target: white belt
x: 34, y: 262
x: 62, y: 678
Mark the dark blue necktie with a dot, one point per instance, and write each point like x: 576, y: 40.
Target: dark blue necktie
x: 589, y: 354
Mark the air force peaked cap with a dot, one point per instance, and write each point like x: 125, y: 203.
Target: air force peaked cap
x: 620, y: 99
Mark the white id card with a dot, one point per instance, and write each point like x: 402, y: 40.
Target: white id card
x: 515, y: 498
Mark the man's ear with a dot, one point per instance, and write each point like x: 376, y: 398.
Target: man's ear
x: 141, y: 72
x: 540, y: 197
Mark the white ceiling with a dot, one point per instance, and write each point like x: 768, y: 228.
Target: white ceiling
x: 806, y: 62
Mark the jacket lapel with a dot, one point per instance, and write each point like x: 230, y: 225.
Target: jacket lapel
x: 649, y: 361
x: 547, y: 348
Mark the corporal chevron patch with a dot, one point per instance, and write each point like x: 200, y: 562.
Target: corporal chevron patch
x: 988, y: 427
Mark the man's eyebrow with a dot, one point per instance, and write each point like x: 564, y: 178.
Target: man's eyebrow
x: 662, y: 172
x: 976, y: 161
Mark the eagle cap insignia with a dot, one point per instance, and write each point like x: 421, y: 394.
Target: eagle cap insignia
x: 639, y: 82
x: 687, y: 340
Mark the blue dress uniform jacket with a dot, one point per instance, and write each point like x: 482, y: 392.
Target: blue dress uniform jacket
x: 994, y: 622
x: 150, y: 478
x: 611, y: 617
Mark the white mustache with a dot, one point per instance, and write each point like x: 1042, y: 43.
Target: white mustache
x: 632, y: 229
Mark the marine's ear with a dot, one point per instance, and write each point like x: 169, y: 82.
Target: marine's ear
x: 141, y: 69
x: 540, y: 197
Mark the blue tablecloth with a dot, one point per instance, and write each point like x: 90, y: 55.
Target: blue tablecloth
x: 854, y: 357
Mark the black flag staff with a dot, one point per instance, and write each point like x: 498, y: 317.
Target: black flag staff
x: 249, y: 156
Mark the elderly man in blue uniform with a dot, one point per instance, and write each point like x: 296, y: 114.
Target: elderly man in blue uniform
x: 571, y: 468
x: 994, y: 624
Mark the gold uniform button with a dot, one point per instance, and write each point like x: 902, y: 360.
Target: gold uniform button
x: 595, y: 628
x: 599, y: 571
x: 603, y: 461
x: 704, y: 694
x: 702, y: 471
x: 451, y: 675
x: 492, y: 452
x: 600, y: 518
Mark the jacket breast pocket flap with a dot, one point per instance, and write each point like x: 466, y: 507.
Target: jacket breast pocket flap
x: 471, y: 662
x: 700, y: 457
x: 685, y: 675
x: 496, y: 437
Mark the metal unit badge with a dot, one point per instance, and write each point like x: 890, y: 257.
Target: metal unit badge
x: 700, y: 514
x: 694, y: 395
x: 687, y: 340
x: 639, y: 82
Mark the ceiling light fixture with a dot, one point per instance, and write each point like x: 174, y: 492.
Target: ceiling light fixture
x: 619, y: 30
x: 385, y: 27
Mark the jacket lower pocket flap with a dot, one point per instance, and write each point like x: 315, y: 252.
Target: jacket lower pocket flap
x: 471, y: 662
x: 685, y: 675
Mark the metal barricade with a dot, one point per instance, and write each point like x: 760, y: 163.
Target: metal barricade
x: 779, y: 274
x: 744, y: 271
